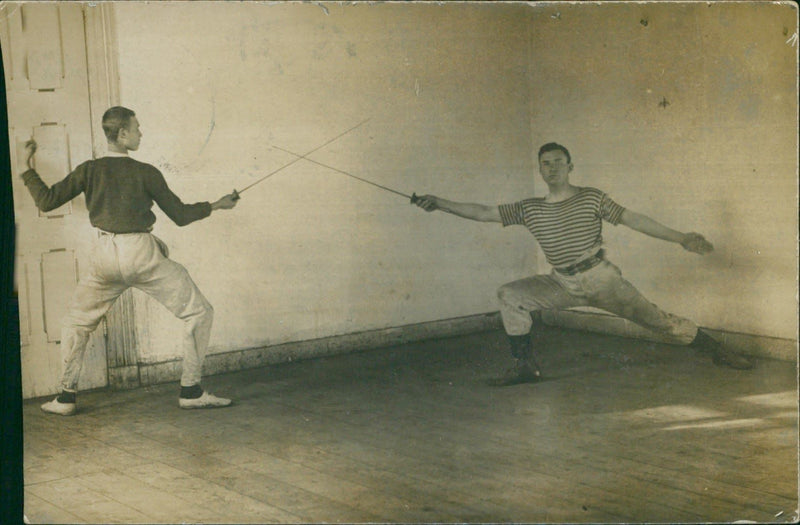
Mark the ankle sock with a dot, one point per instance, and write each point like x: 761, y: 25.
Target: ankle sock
x: 704, y: 341
x: 191, y: 392
x: 520, y: 346
x: 66, y: 397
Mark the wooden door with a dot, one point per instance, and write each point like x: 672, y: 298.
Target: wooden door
x: 47, y: 83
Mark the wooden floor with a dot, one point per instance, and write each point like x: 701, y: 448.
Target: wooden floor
x: 622, y: 431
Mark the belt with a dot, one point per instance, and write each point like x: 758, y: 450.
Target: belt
x: 100, y: 232
x: 582, y: 266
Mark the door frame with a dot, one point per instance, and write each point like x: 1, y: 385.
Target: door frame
x: 102, y: 58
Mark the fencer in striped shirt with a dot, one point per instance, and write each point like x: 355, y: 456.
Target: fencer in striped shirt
x: 567, y: 223
x: 569, y: 230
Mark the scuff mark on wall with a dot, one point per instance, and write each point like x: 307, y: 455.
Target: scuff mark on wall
x: 211, y: 127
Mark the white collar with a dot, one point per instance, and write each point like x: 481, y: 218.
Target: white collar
x: 115, y: 154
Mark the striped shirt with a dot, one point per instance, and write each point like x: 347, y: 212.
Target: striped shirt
x: 568, y: 230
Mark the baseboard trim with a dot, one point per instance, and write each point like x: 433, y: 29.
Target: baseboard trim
x: 123, y: 377
x: 748, y: 344
x: 169, y: 371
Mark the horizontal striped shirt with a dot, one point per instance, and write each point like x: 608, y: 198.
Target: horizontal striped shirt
x: 568, y: 230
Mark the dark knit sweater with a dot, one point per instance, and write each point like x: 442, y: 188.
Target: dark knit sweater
x: 119, y: 194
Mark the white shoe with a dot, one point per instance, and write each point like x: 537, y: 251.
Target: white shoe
x: 62, y: 409
x: 205, y: 401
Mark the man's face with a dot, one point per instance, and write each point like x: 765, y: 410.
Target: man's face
x: 130, y: 136
x: 554, y: 167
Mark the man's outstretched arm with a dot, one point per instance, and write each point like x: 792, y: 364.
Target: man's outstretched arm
x: 467, y: 210
x: 693, y: 242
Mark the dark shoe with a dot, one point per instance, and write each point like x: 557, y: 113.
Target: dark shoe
x: 521, y: 372
x: 719, y: 355
x: 722, y: 357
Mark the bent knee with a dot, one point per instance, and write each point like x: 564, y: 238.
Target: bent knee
x: 199, y: 308
x: 512, y: 298
x: 82, y: 324
x: 505, y: 293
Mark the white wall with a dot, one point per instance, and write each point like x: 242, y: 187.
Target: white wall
x: 311, y: 253
x: 460, y: 96
x: 720, y: 158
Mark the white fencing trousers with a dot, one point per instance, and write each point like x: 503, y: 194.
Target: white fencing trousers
x: 601, y: 287
x: 121, y: 261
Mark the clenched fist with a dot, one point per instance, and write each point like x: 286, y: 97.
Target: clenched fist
x: 427, y: 202
x: 696, y: 243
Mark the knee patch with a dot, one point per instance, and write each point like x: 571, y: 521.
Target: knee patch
x: 504, y: 293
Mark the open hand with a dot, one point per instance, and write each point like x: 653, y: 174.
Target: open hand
x: 428, y: 202
x: 696, y: 243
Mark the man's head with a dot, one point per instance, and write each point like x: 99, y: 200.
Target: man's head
x: 122, y: 128
x: 555, y: 163
x: 552, y: 146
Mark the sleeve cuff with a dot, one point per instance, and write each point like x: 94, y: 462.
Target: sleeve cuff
x: 28, y: 175
x: 616, y: 215
x: 508, y: 214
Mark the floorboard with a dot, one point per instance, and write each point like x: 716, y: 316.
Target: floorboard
x: 620, y: 430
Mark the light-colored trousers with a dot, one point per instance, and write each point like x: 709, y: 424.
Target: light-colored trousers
x: 121, y: 261
x: 599, y: 287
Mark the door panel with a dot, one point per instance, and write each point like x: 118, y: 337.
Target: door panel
x: 59, y: 277
x: 41, y: 25
x: 47, y: 90
x: 52, y: 159
x: 14, y: 50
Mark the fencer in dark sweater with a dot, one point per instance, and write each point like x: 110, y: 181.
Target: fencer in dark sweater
x: 120, y: 192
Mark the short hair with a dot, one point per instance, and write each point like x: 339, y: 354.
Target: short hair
x: 552, y: 146
x: 114, y: 119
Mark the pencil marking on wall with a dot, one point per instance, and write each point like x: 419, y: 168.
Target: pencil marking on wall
x: 664, y: 102
x: 211, y: 128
